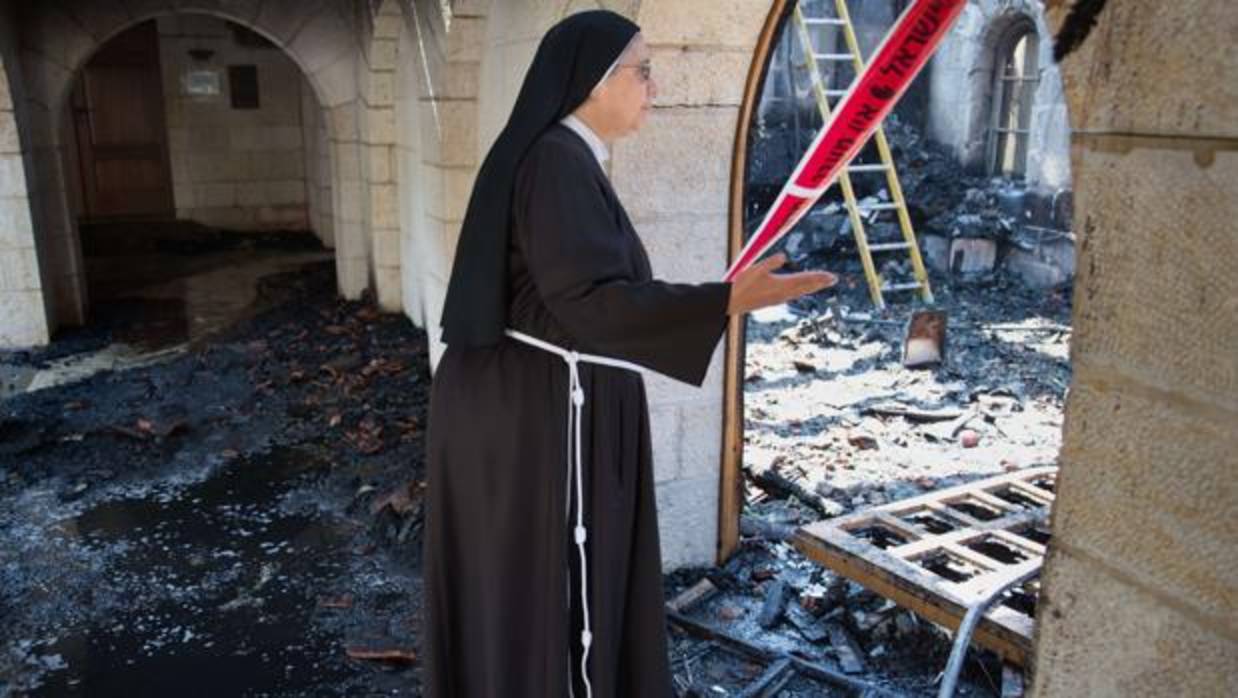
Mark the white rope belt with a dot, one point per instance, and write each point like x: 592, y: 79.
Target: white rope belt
x: 576, y: 403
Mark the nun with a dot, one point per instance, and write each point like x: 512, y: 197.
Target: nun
x: 542, y: 565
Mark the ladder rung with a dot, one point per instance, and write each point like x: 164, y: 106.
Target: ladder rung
x: 900, y: 287
x: 878, y: 207
x: 832, y: 21
x: 867, y: 168
x: 833, y: 56
x: 886, y: 246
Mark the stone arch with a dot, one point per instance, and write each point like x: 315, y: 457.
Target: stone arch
x: 417, y: 138
x: 731, y: 498
x: 1154, y: 157
x: 58, y: 39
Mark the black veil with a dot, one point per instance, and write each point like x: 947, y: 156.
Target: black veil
x: 573, y: 56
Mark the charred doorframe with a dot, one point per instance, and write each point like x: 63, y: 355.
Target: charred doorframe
x: 1013, y: 16
x: 731, y: 496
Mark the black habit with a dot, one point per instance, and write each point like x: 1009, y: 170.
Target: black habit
x: 547, y: 250
x: 501, y: 580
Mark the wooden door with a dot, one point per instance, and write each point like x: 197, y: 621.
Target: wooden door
x: 121, y: 131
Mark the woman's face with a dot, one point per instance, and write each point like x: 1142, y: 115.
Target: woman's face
x: 624, y: 98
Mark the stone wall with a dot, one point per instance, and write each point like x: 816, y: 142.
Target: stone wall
x: 234, y: 168
x: 1140, y: 597
x: 379, y: 62
x: 674, y: 177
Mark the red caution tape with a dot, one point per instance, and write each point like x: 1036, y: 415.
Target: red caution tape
x: 900, y: 57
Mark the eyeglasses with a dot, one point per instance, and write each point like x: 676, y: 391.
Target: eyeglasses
x: 644, y: 69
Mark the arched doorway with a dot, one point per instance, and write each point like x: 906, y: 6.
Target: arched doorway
x: 824, y: 418
x: 59, y: 41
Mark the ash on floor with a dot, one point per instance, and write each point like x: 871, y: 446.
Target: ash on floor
x: 239, y: 518
x: 833, y: 423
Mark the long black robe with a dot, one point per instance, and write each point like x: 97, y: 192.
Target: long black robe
x: 501, y: 580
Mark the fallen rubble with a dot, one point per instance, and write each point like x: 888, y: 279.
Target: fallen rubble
x: 835, y: 424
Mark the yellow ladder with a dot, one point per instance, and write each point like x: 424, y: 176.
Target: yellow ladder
x: 877, y: 287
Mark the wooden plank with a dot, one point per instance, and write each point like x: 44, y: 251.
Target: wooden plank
x: 962, y: 535
x: 971, y: 557
x: 764, y: 654
x: 902, y: 527
x: 975, y: 587
x: 965, y: 519
x: 908, y: 570
x: 996, y: 502
x: 897, y: 574
x: 768, y: 683
x: 1032, y: 492
x: 1017, y: 541
x: 693, y: 595
x: 932, y: 500
x: 850, y: 656
x: 1011, y: 643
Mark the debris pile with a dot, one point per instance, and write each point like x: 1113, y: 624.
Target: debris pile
x: 731, y: 626
x: 835, y: 423
x: 830, y: 406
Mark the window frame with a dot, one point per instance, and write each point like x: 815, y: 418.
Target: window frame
x: 1011, y: 99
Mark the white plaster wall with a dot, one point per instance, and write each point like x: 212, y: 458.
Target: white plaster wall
x: 234, y: 168
x: 24, y: 318
x: 961, y: 75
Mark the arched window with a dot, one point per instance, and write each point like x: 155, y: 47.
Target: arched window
x: 1015, y: 76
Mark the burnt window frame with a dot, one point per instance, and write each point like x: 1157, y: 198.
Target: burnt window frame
x: 1013, y: 93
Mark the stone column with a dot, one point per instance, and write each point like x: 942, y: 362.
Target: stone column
x: 1140, y: 597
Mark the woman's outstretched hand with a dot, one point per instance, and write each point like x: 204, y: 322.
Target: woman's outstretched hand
x: 758, y: 286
